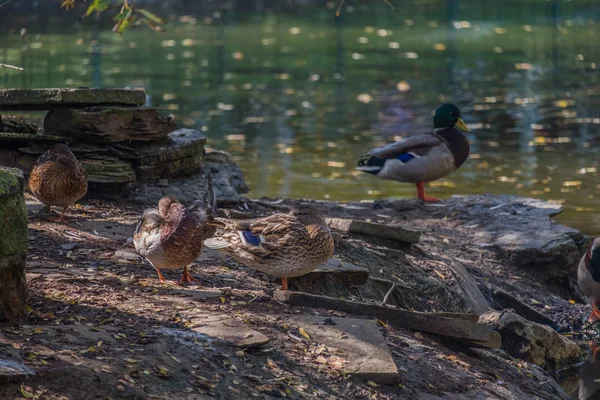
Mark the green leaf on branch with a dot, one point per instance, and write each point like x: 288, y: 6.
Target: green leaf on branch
x: 98, y: 6
x: 151, y: 16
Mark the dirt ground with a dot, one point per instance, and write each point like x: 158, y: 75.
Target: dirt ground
x: 100, y: 326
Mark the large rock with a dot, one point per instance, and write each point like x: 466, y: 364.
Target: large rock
x: 13, y: 246
x: 531, y: 341
x: 46, y: 99
x: 520, y: 230
x: 110, y: 125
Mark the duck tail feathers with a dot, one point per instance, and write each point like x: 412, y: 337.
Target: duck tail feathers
x: 216, y: 243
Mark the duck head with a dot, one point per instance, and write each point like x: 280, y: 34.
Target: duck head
x: 448, y: 116
x: 307, y: 215
x: 165, y: 204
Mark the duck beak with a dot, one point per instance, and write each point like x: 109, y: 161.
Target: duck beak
x: 460, y: 124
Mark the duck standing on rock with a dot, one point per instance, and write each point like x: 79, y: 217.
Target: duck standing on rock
x: 424, y: 157
x: 172, y: 236
x: 588, y: 278
x: 282, y: 245
x: 58, y: 178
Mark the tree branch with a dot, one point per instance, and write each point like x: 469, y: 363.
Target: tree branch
x: 11, y: 67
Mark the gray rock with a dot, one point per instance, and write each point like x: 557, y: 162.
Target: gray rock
x: 11, y: 370
x: 531, y: 341
x: 227, y: 177
x: 46, y: 99
x: 536, y: 242
x: 362, y: 346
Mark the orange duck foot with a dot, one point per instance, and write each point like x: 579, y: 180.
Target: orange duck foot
x: 187, y: 278
x: 421, y: 194
x: 595, y: 314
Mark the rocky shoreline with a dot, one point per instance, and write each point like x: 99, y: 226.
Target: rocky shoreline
x: 497, y: 262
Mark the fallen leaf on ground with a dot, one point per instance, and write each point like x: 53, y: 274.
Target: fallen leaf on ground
x: 303, y: 333
x: 25, y: 392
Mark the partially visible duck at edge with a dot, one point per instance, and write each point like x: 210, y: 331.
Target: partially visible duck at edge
x: 423, y: 157
x: 588, y: 278
x: 171, y: 236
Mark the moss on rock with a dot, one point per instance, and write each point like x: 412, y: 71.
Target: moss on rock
x: 13, y: 245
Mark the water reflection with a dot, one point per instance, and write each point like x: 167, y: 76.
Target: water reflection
x: 297, y: 95
x: 589, y: 377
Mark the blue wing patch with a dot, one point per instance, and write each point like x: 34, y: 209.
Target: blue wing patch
x: 405, y: 157
x: 249, y: 238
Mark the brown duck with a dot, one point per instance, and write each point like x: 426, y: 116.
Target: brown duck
x: 171, y: 236
x: 588, y: 278
x: 58, y: 179
x: 282, y: 245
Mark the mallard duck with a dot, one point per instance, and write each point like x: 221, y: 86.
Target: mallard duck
x: 424, y: 157
x: 282, y: 245
x: 58, y: 179
x: 588, y: 278
x: 171, y: 236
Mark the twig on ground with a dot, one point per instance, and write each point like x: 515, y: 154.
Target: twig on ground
x: 387, y: 295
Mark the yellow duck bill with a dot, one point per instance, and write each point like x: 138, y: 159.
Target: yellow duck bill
x: 460, y: 124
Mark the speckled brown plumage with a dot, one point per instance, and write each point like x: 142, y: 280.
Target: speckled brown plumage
x: 172, y: 236
x: 58, y: 179
x: 282, y: 245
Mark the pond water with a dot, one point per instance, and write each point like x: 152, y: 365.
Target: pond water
x: 296, y: 95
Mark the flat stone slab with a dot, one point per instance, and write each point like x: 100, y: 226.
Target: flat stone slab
x: 109, y: 125
x: 229, y: 330
x: 34, y: 206
x: 393, y: 232
x: 333, y: 272
x: 11, y: 370
x: 46, y: 99
x: 362, y: 345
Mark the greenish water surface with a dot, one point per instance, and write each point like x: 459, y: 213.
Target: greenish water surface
x: 296, y: 95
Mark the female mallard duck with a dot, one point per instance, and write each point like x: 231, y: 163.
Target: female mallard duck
x: 588, y: 278
x: 171, y: 236
x: 282, y: 245
x: 58, y: 179
x: 425, y: 157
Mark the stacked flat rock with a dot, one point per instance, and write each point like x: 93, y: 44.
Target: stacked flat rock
x: 117, y: 139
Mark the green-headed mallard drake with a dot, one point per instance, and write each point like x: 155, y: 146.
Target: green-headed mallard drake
x: 282, y: 245
x: 425, y: 157
x: 58, y: 179
x: 171, y: 236
x: 588, y: 278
